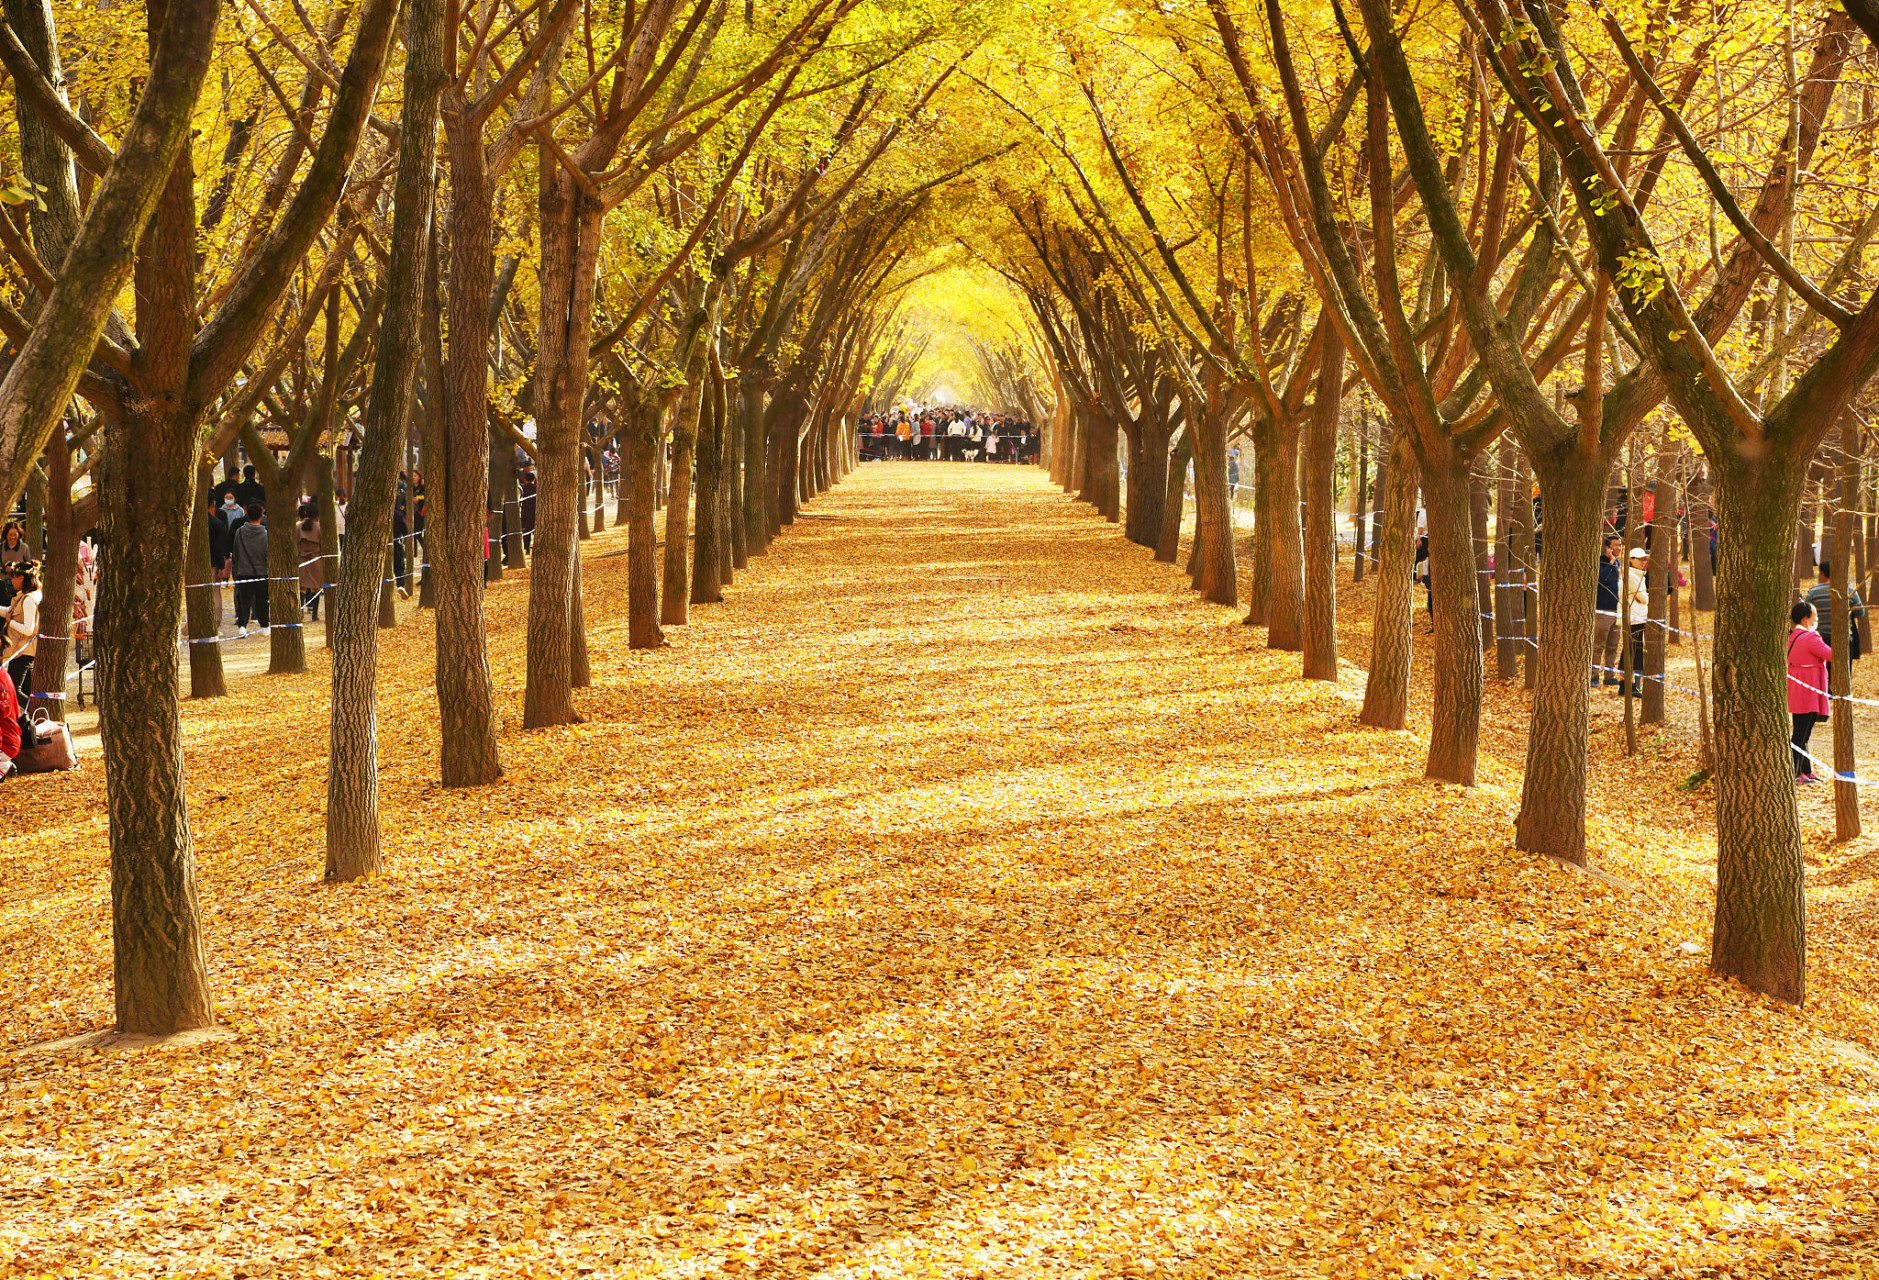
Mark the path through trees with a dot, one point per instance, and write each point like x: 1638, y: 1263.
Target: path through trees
x: 964, y: 892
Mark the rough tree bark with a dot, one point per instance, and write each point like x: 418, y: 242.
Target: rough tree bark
x: 146, y: 478
x: 1552, y: 795
x: 352, y: 831
x: 1216, y: 575
x: 644, y: 435
x: 1259, y: 590
x: 1319, y: 636
x: 458, y: 523
x: 58, y: 582
x: 1285, y: 547
x: 1846, y: 824
x: 1760, y: 933
x: 706, y: 584
x: 287, y: 637
x: 1386, y: 690
x: 1662, y: 565
x: 1174, y: 501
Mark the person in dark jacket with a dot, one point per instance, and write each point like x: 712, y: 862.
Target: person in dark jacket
x: 1605, y: 625
x: 401, y: 547
x: 248, y: 560
x: 220, y: 540
x: 1820, y: 595
x: 526, y: 486
x: 250, y: 492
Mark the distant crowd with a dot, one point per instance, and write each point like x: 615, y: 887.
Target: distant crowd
x: 916, y: 432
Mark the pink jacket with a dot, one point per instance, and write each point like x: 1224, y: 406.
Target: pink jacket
x: 1807, y: 672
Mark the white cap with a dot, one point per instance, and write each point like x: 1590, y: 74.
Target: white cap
x: 1639, y: 553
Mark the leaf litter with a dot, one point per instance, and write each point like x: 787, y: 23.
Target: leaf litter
x: 961, y: 897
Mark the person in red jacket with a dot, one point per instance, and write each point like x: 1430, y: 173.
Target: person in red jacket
x: 1808, y: 656
x: 9, y: 722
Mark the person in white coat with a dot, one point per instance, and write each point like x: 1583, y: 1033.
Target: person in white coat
x: 1637, y: 591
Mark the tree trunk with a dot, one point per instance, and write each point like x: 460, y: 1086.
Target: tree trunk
x: 457, y: 523
x: 1662, y: 565
x: 742, y: 423
x: 204, y: 630
x: 1806, y: 529
x: 756, y: 481
x: 1386, y: 449
x: 789, y: 445
x: 1361, y: 523
x: 517, y: 508
x: 1456, y: 728
x: 643, y: 439
x: 707, y: 551
x: 1148, y: 451
x: 1702, y: 569
x: 1217, y: 576
x: 1483, y: 546
x: 1845, y: 790
x: 352, y: 833
x: 1319, y: 637
x: 1174, y: 500
x: 1082, y: 478
x: 598, y: 482
x: 147, y: 472
x: 675, y: 596
x: 569, y: 230
x: 1673, y: 597
x: 1386, y: 690
x: 59, y: 581
x: 580, y: 674
x: 1285, y: 547
x: 729, y: 455
x: 329, y: 535
x: 1526, y: 598
x: 1862, y: 542
x: 1760, y: 934
x: 1259, y: 588
x: 147, y: 479
x: 1552, y: 793
x: 1506, y: 662
x: 287, y: 636
x: 1090, y: 470
x: 498, y: 500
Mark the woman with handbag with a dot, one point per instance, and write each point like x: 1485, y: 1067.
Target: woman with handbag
x: 312, y: 553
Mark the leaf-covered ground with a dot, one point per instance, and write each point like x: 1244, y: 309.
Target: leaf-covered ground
x: 962, y: 897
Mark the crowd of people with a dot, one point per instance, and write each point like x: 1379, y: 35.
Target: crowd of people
x: 940, y: 433
x: 1624, y: 615
x: 238, y: 540
x: 25, y: 729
